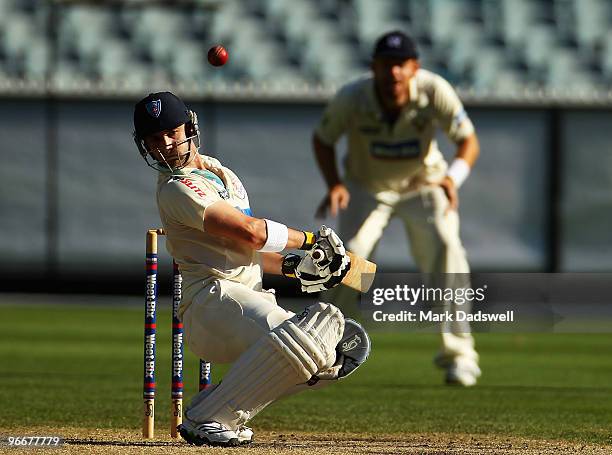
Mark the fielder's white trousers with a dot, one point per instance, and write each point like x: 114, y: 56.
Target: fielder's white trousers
x: 433, y: 235
x: 225, y: 318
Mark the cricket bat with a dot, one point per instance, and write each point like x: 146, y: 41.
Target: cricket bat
x: 355, y: 278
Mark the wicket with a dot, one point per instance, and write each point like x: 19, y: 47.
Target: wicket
x: 150, y: 328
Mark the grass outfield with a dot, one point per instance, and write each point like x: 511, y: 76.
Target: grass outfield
x: 71, y: 365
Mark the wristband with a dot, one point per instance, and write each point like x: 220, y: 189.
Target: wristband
x: 309, y: 240
x: 459, y: 171
x: 278, y: 234
x: 290, y: 263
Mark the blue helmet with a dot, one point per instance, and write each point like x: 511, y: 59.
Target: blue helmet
x: 159, y: 112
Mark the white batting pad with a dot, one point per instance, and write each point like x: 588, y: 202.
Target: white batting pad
x: 352, y: 351
x: 291, y: 354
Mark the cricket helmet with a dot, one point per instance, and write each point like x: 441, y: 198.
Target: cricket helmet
x: 159, y: 112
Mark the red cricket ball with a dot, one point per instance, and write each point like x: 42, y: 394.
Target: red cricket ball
x: 217, y: 55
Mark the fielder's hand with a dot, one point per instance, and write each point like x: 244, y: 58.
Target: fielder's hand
x: 448, y: 185
x: 323, y: 267
x: 337, y: 198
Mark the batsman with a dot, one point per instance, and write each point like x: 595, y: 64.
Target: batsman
x: 222, y: 251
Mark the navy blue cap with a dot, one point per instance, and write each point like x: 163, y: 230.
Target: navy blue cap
x: 396, y: 44
x: 158, y: 112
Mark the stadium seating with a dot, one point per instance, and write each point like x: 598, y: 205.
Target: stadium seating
x: 478, y: 44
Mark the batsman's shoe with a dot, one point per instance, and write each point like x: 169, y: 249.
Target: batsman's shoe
x: 245, y: 435
x: 209, y: 433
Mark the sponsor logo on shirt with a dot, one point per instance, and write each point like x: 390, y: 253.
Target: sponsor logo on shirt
x: 189, y: 184
x: 224, y: 194
x: 399, y: 150
x: 238, y: 188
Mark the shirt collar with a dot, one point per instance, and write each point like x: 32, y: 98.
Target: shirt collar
x: 185, y: 170
x: 413, y: 94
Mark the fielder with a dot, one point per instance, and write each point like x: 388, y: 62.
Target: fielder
x: 395, y: 169
x: 222, y: 251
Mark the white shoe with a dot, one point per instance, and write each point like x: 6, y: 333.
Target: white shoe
x: 245, y: 435
x: 463, y: 372
x: 210, y: 433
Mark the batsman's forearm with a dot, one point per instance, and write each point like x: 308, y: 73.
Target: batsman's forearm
x: 223, y: 220
x: 326, y: 160
x: 297, y: 238
x: 272, y: 263
x: 469, y: 149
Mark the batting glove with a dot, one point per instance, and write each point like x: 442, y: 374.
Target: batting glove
x: 328, y: 253
x: 323, y: 267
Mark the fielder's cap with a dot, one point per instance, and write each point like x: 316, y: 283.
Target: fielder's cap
x: 396, y: 44
x: 158, y: 112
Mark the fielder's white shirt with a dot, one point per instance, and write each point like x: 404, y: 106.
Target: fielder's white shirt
x: 182, y: 199
x: 399, y: 157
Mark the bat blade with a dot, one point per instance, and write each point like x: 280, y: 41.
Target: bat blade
x: 361, y: 274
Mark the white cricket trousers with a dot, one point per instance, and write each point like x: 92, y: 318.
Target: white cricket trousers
x: 226, y: 318
x: 433, y: 235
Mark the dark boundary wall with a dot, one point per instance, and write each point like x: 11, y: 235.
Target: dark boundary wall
x: 76, y: 199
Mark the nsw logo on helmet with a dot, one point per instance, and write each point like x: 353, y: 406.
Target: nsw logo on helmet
x: 394, y: 41
x: 154, y: 108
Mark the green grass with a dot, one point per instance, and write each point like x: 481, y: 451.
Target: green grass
x: 82, y: 366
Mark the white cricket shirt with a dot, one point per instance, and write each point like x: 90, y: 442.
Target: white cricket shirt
x: 402, y: 156
x: 182, y: 199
